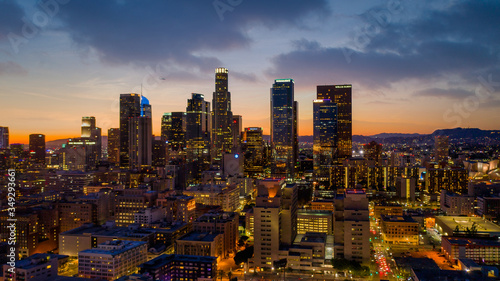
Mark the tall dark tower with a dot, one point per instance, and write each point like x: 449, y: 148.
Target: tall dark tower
x: 342, y: 96
x: 325, y: 138
x: 135, y: 131
x: 114, y: 146
x: 283, y: 128
x: 37, y: 148
x: 4, y: 137
x: 198, y: 129
x: 173, y: 131
x: 222, y: 117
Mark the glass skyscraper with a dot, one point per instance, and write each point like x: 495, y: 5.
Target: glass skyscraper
x: 342, y: 96
x: 325, y: 138
x: 222, y: 117
x: 198, y: 129
x: 135, y: 131
x: 284, y: 137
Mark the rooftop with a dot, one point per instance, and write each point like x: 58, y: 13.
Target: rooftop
x: 199, y: 237
x: 464, y: 241
x: 36, y: 260
x: 408, y: 219
x: 114, y: 247
x: 165, y: 259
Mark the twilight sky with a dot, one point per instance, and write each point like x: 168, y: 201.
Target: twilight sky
x: 415, y: 66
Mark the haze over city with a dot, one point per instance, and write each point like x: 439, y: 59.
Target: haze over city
x: 414, y: 66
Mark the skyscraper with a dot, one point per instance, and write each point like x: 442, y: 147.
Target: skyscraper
x: 236, y: 131
x: 92, y: 136
x: 284, y: 139
x: 88, y: 124
x: 342, y: 96
x: 441, y: 147
x: 222, y: 117
x: 37, y: 148
x: 173, y: 131
x: 325, y: 138
x: 4, y: 137
x: 253, y: 150
x: 114, y: 145
x: 198, y: 129
x: 135, y: 131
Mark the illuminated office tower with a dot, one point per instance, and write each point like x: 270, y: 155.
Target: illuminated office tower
x: 37, y: 148
x: 325, y: 138
x: 236, y: 131
x: 173, y: 132
x: 283, y: 128
x: 158, y: 157
x: 135, y: 131
x: 441, y: 147
x: 342, y: 96
x: 222, y: 117
x: 4, y: 137
x: 114, y: 145
x: 198, y: 129
x: 373, y: 151
x: 88, y: 124
x: 253, y: 150
x: 92, y: 136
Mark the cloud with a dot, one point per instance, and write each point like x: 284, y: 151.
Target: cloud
x: 177, y: 32
x: 247, y: 77
x: 436, y: 45
x: 11, y: 15
x: 10, y: 67
x: 444, y: 93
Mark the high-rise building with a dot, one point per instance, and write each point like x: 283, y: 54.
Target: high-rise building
x: 236, y: 131
x: 325, y: 138
x: 222, y: 117
x: 441, y: 147
x: 342, y: 96
x: 88, y: 124
x: 135, y: 131
x: 159, y: 153
x: 90, y: 131
x: 275, y: 220
x: 130, y: 107
x: 198, y: 129
x: 283, y: 128
x: 173, y: 132
x: 352, y: 226
x: 373, y: 152
x: 114, y: 145
x: 253, y: 151
x: 4, y: 137
x: 37, y: 148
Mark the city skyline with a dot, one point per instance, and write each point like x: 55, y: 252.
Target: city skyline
x: 397, y: 56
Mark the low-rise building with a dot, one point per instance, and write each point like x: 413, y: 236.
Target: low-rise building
x: 448, y: 225
x: 88, y: 236
x: 181, y: 267
x: 454, y: 204
x: 226, y: 196
x: 147, y: 216
x: 320, y: 221
x: 479, y: 250
x: 387, y: 210
x: 399, y: 230
x: 488, y: 206
x: 112, y: 259
x: 200, y: 244
x: 35, y: 267
x: 310, y: 252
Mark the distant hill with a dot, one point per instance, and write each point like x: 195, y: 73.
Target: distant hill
x: 456, y: 134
